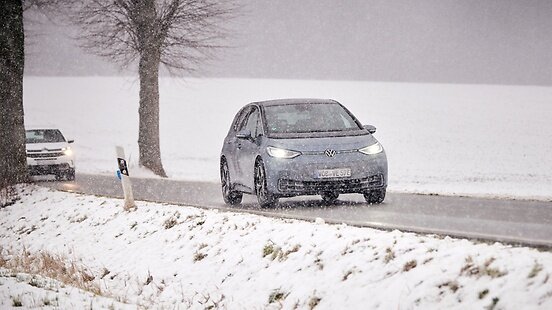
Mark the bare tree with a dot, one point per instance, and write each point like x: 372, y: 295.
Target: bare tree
x: 13, y: 165
x: 179, y: 34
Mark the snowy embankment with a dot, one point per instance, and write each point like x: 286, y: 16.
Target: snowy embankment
x: 480, y: 140
x: 182, y: 257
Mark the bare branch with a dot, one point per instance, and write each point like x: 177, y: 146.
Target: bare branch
x: 40, y: 4
x: 184, y: 32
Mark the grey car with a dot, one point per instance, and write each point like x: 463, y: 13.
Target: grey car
x: 292, y: 147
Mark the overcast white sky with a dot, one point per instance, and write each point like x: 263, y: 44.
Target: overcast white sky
x: 469, y: 41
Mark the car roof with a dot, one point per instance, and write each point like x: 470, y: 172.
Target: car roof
x: 293, y: 101
x: 41, y: 128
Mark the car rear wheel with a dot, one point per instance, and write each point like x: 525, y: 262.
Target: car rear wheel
x: 264, y: 196
x: 329, y: 197
x: 375, y: 196
x: 230, y: 197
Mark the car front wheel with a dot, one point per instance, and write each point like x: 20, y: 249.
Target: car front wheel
x: 264, y: 196
x: 375, y: 196
x: 70, y: 176
x: 230, y: 197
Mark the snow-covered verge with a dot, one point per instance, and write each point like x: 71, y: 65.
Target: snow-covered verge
x: 19, y: 290
x: 447, y: 139
x: 175, y: 257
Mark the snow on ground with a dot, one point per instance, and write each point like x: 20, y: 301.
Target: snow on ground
x: 19, y: 290
x: 449, y: 139
x: 177, y: 257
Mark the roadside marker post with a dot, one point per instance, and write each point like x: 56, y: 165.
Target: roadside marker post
x: 125, y: 179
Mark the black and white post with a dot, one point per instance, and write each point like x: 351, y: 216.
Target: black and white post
x: 125, y: 179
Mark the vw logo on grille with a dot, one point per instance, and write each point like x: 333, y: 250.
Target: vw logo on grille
x: 330, y: 153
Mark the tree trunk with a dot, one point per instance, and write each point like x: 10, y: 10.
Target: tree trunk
x: 13, y: 162
x: 148, y: 135
x: 150, y: 57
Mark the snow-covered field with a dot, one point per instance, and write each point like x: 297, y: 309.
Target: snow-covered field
x: 173, y: 257
x: 449, y: 139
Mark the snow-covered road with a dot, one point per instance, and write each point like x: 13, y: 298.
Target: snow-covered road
x: 512, y: 221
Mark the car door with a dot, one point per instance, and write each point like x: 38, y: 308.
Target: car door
x: 233, y: 144
x: 249, y: 148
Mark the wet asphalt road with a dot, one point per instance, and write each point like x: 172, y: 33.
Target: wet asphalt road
x: 511, y: 221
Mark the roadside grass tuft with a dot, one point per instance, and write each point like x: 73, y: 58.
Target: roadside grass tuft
x: 3, y: 261
x: 410, y: 265
x: 268, y: 249
x: 276, y: 252
x: 493, y: 304
x: 172, y: 220
x: 46, y: 302
x: 471, y: 269
x: 389, y: 255
x: 483, y: 293
x: 313, y: 302
x: 16, y: 301
x: 202, y: 246
x: 134, y: 225
x: 347, y: 275
x: 198, y: 256
x: 277, y: 296
x: 79, y: 219
x: 34, y: 282
x: 284, y: 255
x: 8, y: 194
x: 318, y: 262
x: 535, y: 271
x: 452, y: 285
x: 52, y: 266
x: 105, y: 272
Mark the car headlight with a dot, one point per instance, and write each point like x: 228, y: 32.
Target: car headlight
x: 67, y: 151
x: 281, y: 153
x: 372, y: 149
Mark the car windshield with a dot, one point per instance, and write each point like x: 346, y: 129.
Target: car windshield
x: 308, y: 118
x: 43, y: 136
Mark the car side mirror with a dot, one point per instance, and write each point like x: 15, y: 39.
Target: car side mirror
x: 371, y: 129
x: 70, y: 141
x: 244, y: 134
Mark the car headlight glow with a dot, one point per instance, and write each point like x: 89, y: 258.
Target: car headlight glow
x: 281, y: 153
x: 67, y: 151
x: 372, y: 149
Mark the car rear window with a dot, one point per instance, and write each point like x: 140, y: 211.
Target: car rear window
x: 308, y: 118
x: 43, y: 136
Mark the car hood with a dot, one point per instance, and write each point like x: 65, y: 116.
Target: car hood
x: 321, y: 144
x: 48, y: 146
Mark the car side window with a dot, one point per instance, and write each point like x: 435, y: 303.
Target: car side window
x: 241, y: 119
x: 252, y: 123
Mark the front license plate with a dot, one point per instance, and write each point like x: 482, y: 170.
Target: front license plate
x: 333, y: 173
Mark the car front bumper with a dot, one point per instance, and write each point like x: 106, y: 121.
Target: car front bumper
x: 55, y: 165
x: 298, y: 176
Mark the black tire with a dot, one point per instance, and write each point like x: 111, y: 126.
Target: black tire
x: 329, y: 197
x: 264, y: 196
x: 229, y: 196
x: 375, y: 197
x: 70, y: 176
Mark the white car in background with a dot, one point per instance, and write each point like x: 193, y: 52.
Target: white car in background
x: 48, y: 152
